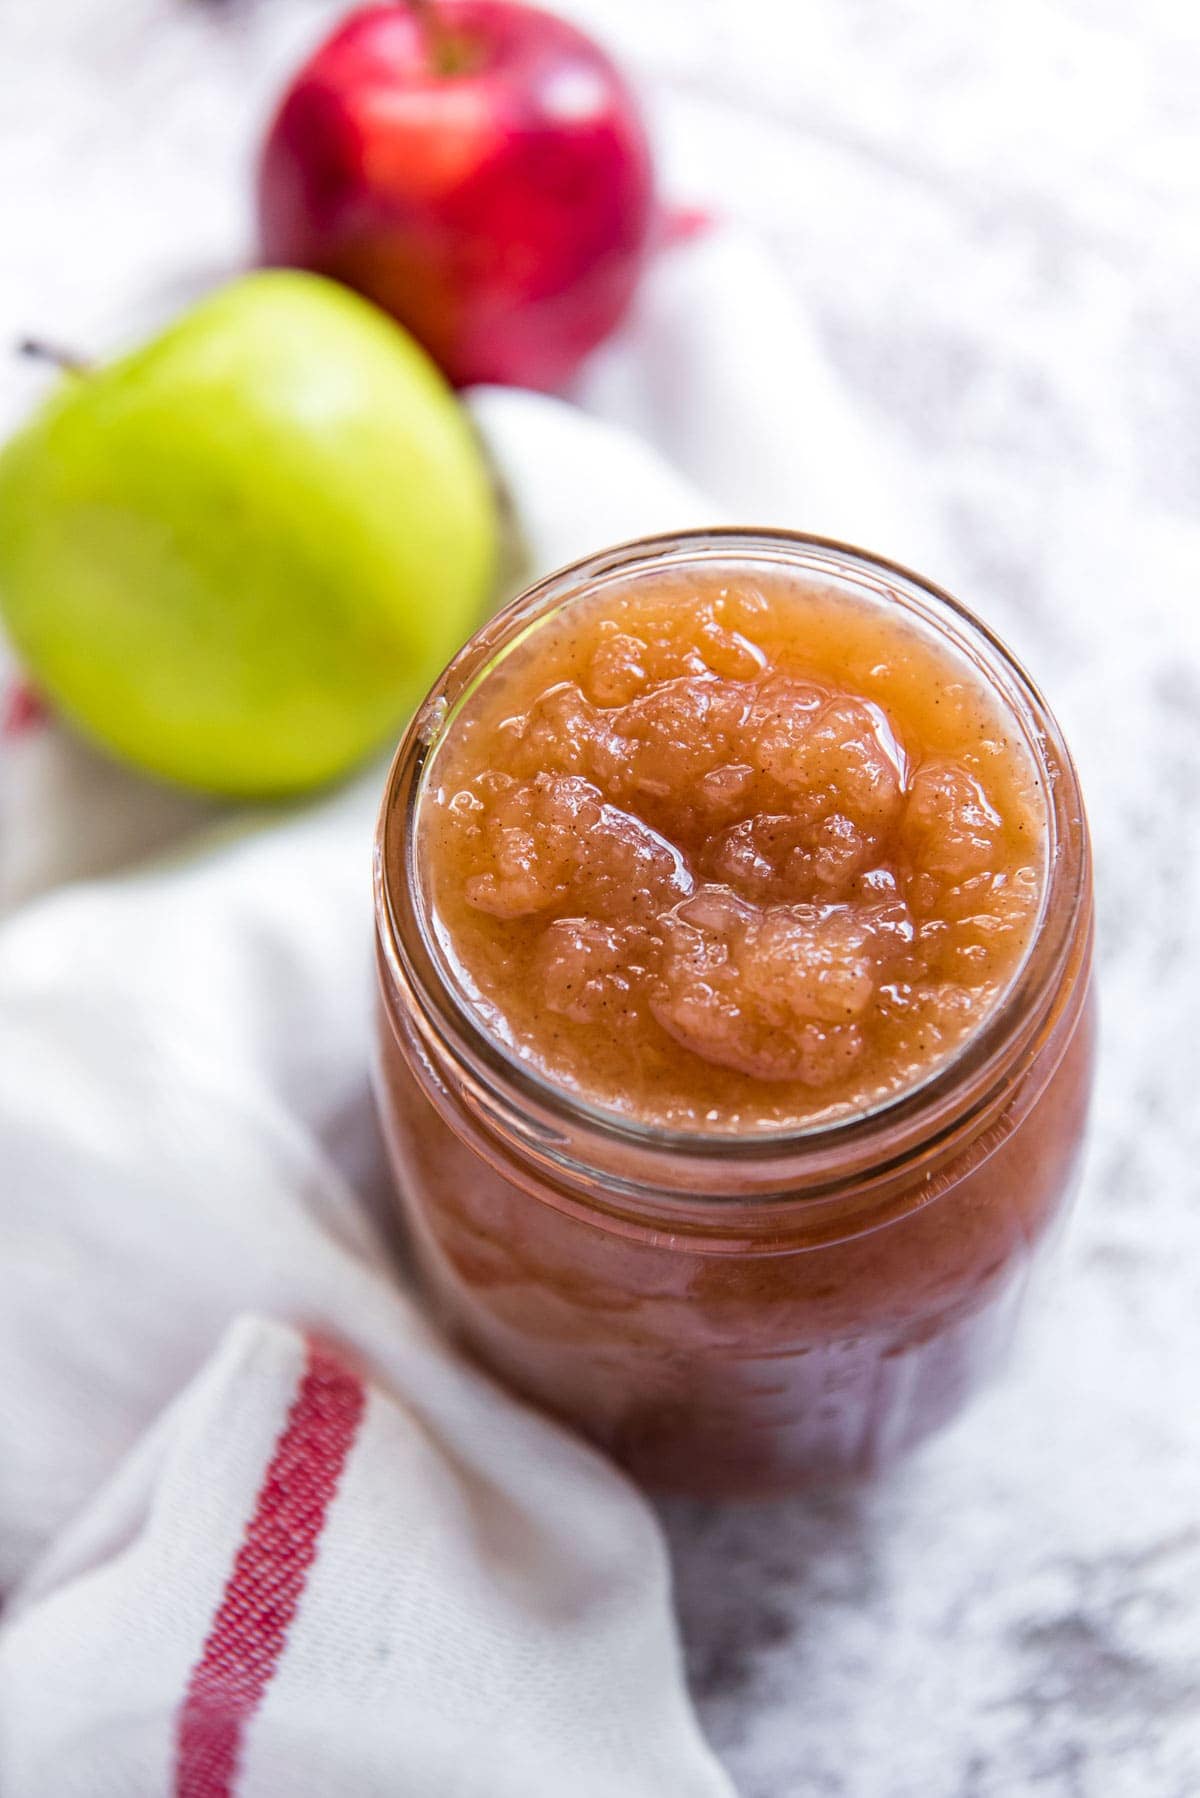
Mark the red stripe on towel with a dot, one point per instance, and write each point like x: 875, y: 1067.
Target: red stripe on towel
x: 263, y: 1591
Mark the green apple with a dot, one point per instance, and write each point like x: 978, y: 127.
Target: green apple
x: 238, y: 557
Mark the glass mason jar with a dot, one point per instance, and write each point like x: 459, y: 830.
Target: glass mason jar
x: 737, y: 1314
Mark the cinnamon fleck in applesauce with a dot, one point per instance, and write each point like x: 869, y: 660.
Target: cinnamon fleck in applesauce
x: 724, y: 853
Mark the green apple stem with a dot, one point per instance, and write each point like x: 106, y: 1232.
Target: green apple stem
x: 40, y: 351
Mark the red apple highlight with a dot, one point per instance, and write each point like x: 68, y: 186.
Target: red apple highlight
x: 477, y: 168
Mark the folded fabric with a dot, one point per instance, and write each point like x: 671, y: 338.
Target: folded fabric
x: 301, y: 1583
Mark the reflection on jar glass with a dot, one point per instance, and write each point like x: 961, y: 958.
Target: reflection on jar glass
x: 734, y: 918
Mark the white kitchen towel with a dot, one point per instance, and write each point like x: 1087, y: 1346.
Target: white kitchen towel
x: 260, y: 1530
x: 307, y: 1580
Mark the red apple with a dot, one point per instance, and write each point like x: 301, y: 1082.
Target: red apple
x: 477, y: 168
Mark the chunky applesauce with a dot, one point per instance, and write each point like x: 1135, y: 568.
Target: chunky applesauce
x: 727, y: 853
x: 733, y: 906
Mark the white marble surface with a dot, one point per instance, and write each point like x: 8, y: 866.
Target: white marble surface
x: 992, y: 217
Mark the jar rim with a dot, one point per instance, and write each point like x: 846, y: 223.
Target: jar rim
x: 549, y: 1116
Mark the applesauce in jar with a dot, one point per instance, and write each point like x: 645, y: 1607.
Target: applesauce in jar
x: 734, y: 916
